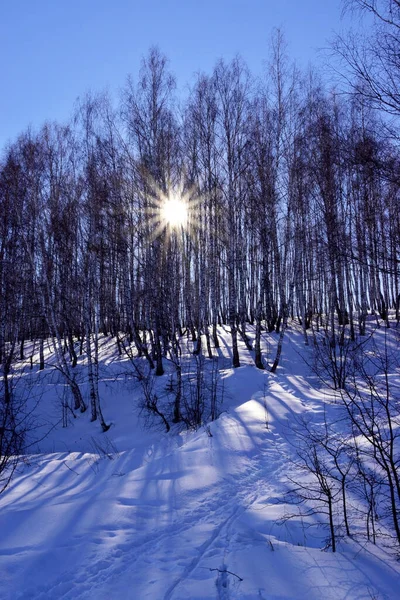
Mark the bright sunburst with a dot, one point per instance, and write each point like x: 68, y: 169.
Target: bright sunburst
x: 174, y: 212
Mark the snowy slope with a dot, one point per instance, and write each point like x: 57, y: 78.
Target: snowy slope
x: 139, y: 514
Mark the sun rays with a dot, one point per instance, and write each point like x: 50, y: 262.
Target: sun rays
x: 175, y: 212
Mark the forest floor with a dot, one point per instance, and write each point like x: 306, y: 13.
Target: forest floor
x: 137, y: 513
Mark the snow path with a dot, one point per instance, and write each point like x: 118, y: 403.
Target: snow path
x: 210, y: 520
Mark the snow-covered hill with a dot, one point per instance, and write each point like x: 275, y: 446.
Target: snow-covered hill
x: 137, y: 513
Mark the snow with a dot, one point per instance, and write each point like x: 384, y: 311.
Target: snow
x: 139, y: 514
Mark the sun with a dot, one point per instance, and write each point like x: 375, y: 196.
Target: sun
x: 174, y: 212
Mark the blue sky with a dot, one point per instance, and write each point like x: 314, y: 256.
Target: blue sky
x: 52, y: 51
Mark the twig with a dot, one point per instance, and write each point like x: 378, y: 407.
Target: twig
x: 73, y: 470
x: 225, y: 571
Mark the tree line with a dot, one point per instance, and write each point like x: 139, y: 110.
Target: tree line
x: 293, y: 213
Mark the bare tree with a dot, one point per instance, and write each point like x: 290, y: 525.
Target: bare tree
x: 372, y: 61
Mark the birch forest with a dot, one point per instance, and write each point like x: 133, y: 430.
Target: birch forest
x: 291, y: 195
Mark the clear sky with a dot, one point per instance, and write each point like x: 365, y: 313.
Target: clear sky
x: 52, y: 51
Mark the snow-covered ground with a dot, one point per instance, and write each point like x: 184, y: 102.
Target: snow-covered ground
x: 137, y: 513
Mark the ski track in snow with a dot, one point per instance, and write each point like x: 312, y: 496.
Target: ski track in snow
x: 218, y: 514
